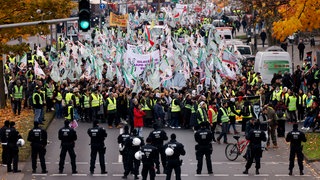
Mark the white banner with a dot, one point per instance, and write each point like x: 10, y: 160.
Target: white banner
x: 140, y: 61
x: 180, y: 8
x: 138, y: 49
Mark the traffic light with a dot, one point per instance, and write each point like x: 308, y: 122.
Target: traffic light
x: 225, y: 19
x: 84, y: 15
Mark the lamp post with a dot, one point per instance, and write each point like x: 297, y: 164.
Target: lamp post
x: 291, y: 40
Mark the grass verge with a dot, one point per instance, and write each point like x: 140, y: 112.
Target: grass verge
x: 24, y: 122
x: 311, y: 148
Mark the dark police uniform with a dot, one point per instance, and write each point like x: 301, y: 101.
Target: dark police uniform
x: 255, y: 137
x: 204, y: 147
x: 4, y: 142
x: 97, y: 135
x: 12, y: 147
x: 133, y: 163
x: 122, y: 138
x: 295, y: 137
x: 149, y: 159
x: 174, y: 162
x: 157, y: 137
x: 38, y: 138
x: 68, y: 136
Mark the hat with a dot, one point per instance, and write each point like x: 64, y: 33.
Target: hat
x: 75, y: 90
x: 232, y: 99
x: 201, y: 103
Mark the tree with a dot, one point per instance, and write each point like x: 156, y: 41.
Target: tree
x: 297, y: 15
x: 16, y: 11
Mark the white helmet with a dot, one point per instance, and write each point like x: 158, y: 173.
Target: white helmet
x: 20, y: 142
x: 136, y: 141
x: 138, y: 155
x: 169, y: 151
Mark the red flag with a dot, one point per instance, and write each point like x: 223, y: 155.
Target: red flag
x: 149, y: 36
x: 177, y: 15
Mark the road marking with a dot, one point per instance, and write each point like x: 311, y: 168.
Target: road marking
x: 117, y: 163
x: 221, y: 175
x: 36, y: 174
x: 161, y: 175
x: 303, y: 175
x: 79, y: 174
x: 58, y: 174
x: 263, y: 175
x: 99, y: 174
x: 183, y: 175
x: 117, y: 175
x: 240, y: 175
x: 281, y: 175
x: 202, y: 175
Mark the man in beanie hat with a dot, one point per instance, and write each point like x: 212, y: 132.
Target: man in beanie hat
x: 97, y: 135
x: 295, y: 137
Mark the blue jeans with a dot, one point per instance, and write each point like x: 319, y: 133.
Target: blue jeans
x: 37, y: 115
x: 58, y: 108
x: 308, y: 121
x: 223, y: 134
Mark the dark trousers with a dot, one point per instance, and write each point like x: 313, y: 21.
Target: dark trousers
x: 300, y: 112
x: 126, y: 161
x: 13, y: 157
x: 281, y: 127
x: 72, y: 154
x: 213, y: 130
x: 232, y: 124
x: 148, y: 168
x: 87, y: 115
x: 94, y: 113
x: 272, y: 136
x: 301, y: 55
x: 35, y: 150
x: 244, y: 123
x: 162, y: 156
x: 199, y: 156
x: 254, y: 154
x: 173, y: 165
x: 223, y: 134
x: 292, y: 116
x: 16, y: 106
x: 293, y: 152
x: 112, y: 118
x: 4, y: 154
x: 95, y: 149
x: 133, y: 165
x: 49, y: 104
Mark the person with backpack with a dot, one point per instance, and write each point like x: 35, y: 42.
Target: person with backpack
x: 271, y: 116
x: 247, y: 113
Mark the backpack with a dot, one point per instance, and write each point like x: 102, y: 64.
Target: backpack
x: 246, y: 111
x: 280, y: 113
x: 65, y: 111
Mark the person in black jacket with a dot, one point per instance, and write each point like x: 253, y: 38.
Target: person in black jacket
x: 67, y: 136
x: 122, y: 138
x: 149, y: 159
x: 173, y: 161
x: 295, y: 137
x: 38, y: 138
x: 4, y: 141
x: 13, y: 150
x: 157, y: 137
x: 255, y: 152
x: 204, y: 147
x: 97, y: 135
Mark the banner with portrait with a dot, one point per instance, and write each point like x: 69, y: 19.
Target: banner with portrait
x: 118, y: 20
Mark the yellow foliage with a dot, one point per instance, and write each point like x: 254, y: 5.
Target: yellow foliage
x: 298, y: 15
x: 17, y: 11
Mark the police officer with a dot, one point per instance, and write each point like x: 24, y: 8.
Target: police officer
x: 13, y: 150
x: 67, y: 136
x: 4, y: 141
x: 97, y: 135
x: 38, y: 138
x: 133, y: 144
x: 149, y: 159
x: 204, y: 147
x: 122, y: 138
x: 295, y: 137
x: 157, y: 137
x: 173, y: 160
x: 254, y: 148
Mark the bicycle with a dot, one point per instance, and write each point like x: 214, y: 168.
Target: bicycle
x: 233, y: 150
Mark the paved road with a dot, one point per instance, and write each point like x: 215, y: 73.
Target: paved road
x: 274, y: 161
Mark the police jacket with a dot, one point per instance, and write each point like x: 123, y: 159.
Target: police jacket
x: 203, y: 137
x: 177, y: 147
x: 12, y: 136
x: 123, y: 137
x: 3, y: 135
x: 67, y: 135
x: 37, y: 137
x: 158, y: 136
x: 150, y: 154
x: 295, y: 138
x: 129, y: 144
x: 97, y: 135
x: 255, y: 137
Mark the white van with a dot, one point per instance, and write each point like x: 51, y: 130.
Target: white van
x: 271, y: 61
x: 244, y: 51
x: 224, y: 33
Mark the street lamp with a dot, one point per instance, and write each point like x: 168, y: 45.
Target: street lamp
x: 291, y: 40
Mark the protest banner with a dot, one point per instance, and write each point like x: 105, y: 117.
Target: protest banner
x: 118, y: 20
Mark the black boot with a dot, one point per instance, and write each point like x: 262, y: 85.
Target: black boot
x: 245, y: 171
x: 290, y: 172
x: 301, y: 172
x: 257, y: 171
